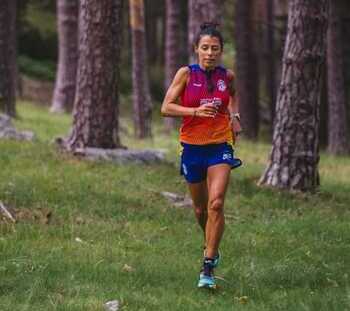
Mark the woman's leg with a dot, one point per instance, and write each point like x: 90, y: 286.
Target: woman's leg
x: 218, y: 178
x: 199, y: 194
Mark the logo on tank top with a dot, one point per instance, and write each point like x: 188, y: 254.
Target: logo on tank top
x: 221, y: 85
x: 215, y: 101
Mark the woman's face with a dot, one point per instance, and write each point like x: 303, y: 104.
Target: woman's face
x: 209, y: 51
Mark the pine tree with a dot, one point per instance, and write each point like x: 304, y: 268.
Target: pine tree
x: 95, y: 117
x: 337, y: 121
x: 294, y: 157
x: 141, y: 91
x: 247, y: 68
x: 8, y: 65
x: 67, y: 20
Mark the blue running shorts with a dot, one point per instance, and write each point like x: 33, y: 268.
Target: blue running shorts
x: 195, y: 159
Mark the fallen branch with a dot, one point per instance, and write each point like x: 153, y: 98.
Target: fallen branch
x: 6, y: 212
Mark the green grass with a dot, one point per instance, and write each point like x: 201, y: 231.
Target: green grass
x: 282, y: 251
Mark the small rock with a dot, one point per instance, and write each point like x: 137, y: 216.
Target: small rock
x: 112, y: 305
x: 177, y: 200
x: 80, y: 220
x: 123, y: 156
x: 9, y: 132
x: 128, y: 268
x: 243, y: 300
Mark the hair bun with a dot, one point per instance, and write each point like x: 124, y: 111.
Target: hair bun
x: 206, y: 25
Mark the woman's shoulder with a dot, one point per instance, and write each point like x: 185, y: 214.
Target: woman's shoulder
x: 182, y: 74
x: 230, y: 74
x: 226, y: 72
x: 184, y: 70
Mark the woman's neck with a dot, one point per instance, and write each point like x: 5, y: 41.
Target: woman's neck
x: 206, y: 68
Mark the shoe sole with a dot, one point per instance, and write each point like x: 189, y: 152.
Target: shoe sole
x: 207, y: 286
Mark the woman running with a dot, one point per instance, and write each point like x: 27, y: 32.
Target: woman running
x: 203, y: 94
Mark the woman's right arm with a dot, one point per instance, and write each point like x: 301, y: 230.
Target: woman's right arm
x: 170, y: 106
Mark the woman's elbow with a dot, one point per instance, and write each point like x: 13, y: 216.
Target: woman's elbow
x: 164, y: 111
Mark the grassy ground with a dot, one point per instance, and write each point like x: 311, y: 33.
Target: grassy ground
x: 111, y: 235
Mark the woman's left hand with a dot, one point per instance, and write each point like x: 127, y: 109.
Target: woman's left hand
x: 236, y: 126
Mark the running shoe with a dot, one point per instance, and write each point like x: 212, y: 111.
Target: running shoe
x: 206, y: 276
x: 216, y: 259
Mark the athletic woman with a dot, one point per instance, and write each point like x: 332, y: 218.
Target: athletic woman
x: 203, y: 94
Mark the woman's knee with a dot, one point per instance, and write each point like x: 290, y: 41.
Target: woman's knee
x: 216, y: 205
x: 200, y: 211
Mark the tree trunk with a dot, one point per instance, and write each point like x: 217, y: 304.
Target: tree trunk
x: 323, y: 131
x: 141, y: 91
x: 295, y: 151
x: 184, y: 31
x: 95, y: 108
x: 151, y: 30
x: 154, y: 30
x: 67, y: 21
x: 172, y: 49
x: 345, y: 10
x: 246, y: 67
x: 337, y: 129
x: 270, y: 59
x: 280, y: 24
x: 8, y: 64
x: 200, y: 11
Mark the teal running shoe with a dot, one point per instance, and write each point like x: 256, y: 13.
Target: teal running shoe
x: 206, y: 276
x: 216, y: 259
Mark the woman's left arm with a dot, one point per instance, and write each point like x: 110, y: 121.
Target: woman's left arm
x: 233, y: 107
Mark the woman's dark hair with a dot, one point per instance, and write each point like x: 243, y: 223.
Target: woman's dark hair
x: 210, y: 30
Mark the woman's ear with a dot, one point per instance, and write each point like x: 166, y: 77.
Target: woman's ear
x: 195, y: 48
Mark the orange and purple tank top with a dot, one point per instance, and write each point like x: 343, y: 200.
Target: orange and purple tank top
x: 204, y: 130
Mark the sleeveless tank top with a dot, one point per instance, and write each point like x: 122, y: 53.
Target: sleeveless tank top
x: 204, y: 130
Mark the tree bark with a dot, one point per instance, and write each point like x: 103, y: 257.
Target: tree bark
x: 345, y: 12
x: 270, y: 59
x: 294, y: 157
x: 247, y: 69
x: 8, y: 64
x: 337, y: 120
x: 280, y: 24
x: 200, y: 11
x: 95, y: 117
x: 141, y: 92
x: 67, y: 21
x: 172, y: 49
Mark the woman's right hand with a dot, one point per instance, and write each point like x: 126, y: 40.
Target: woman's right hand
x: 206, y: 111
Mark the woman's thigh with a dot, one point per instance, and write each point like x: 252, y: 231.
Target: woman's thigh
x: 218, y: 179
x: 199, y: 194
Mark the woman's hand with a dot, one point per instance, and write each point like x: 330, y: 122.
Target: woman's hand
x: 206, y: 111
x: 236, y: 127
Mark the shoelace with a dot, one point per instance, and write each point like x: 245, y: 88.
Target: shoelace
x: 208, y: 267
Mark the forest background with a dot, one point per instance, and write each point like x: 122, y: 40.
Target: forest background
x: 76, y: 234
